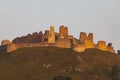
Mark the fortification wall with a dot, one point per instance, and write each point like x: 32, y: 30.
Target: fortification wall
x: 30, y: 38
x: 89, y: 44
x: 63, y: 32
x: 79, y: 48
x: 5, y: 42
x: 63, y: 43
x: 53, y: 39
x: 11, y: 47
x: 102, y: 45
x: 83, y: 36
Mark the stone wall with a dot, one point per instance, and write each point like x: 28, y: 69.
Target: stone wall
x: 88, y: 43
x: 110, y: 48
x: 83, y: 36
x: 11, y: 47
x: 30, y: 38
x: 54, y: 39
x: 5, y: 42
x: 51, y: 36
x: 79, y: 48
x: 90, y: 36
x: 63, y: 43
x: 102, y: 45
x: 63, y: 32
x: 87, y: 40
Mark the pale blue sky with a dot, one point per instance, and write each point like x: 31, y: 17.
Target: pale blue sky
x: 101, y: 17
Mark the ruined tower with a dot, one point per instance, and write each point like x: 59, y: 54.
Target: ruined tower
x: 5, y: 42
x: 90, y: 36
x: 83, y: 36
x: 63, y: 32
x: 87, y: 40
x: 110, y: 48
x: 89, y: 43
x: 51, y: 36
x: 102, y: 45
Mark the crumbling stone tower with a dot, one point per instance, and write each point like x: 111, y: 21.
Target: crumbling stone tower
x: 51, y: 36
x: 110, y: 48
x: 102, y: 45
x: 5, y: 42
x: 90, y: 36
x: 63, y: 32
x: 87, y: 40
x: 83, y: 37
x: 89, y: 43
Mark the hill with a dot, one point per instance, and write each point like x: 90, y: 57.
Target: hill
x: 45, y: 63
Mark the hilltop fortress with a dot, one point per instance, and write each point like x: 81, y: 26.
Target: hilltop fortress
x: 54, y: 39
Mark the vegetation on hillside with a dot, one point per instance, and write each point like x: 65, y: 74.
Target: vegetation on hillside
x: 49, y: 63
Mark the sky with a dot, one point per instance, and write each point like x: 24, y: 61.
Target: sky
x: 101, y: 17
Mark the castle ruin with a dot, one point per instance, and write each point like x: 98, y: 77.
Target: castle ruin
x: 55, y: 39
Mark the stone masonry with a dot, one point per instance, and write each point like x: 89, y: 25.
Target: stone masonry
x: 55, y: 39
x: 51, y: 36
x: 63, y: 32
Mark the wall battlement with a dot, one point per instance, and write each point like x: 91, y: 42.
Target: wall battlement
x: 54, y: 39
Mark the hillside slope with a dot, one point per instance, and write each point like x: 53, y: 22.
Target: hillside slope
x: 44, y: 63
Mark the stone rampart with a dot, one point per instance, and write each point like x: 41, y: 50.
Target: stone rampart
x: 89, y: 43
x: 102, y: 45
x: 63, y: 32
x: 54, y: 39
x: 83, y: 36
x: 5, y: 42
x: 79, y: 48
x: 63, y: 43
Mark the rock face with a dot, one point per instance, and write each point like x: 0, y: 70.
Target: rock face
x: 102, y: 45
x: 5, y: 42
x: 51, y: 37
x: 63, y: 32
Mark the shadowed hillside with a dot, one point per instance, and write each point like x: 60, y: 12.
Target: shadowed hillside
x: 45, y: 63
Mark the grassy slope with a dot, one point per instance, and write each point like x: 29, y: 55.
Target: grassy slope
x: 44, y: 63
